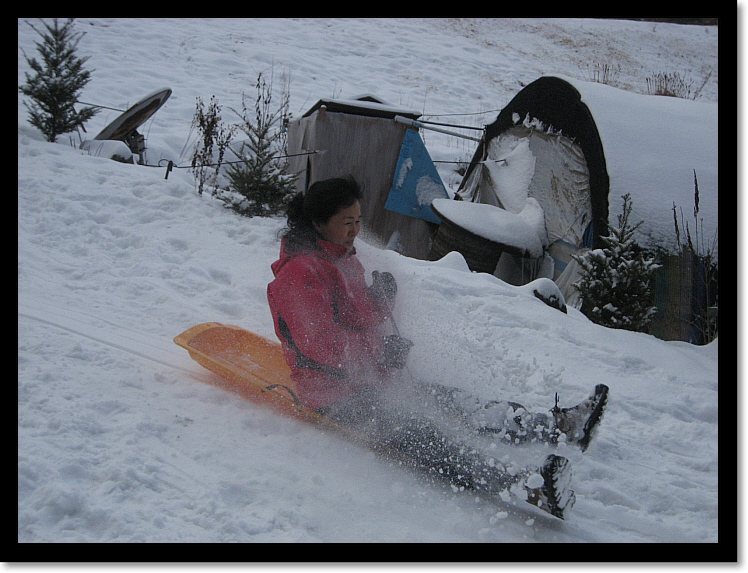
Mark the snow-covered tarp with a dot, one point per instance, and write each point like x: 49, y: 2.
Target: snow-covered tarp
x: 517, y: 230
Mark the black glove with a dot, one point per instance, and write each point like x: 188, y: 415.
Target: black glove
x: 384, y: 287
x: 396, y: 351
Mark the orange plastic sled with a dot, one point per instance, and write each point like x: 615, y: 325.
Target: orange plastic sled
x: 253, y: 367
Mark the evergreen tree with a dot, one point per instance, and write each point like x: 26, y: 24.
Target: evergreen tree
x: 59, y: 78
x: 259, y: 182
x: 616, y: 280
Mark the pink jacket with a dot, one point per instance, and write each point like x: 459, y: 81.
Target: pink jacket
x: 328, y: 324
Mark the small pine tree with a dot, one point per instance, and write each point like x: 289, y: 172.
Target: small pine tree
x: 259, y: 182
x: 616, y: 280
x: 58, y: 80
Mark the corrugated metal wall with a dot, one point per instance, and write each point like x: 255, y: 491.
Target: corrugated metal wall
x: 680, y: 297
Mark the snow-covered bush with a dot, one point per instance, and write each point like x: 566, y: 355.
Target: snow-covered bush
x: 616, y: 283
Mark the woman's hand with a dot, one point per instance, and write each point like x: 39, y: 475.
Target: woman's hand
x: 384, y: 288
x: 396, y: 350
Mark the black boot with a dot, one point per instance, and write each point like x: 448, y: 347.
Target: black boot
x: 554, y: 496
x: 580, y: 422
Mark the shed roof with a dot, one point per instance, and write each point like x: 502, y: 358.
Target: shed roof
x: 366, y: 104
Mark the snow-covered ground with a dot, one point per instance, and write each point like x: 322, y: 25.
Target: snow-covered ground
x: 120, y: 439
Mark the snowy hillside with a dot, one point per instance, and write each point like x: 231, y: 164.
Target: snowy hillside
x: 120, y: 439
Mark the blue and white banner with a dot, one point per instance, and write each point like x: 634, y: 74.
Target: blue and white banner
x: 416, y: 182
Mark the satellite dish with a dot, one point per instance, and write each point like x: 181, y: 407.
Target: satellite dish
x: 124, y: 128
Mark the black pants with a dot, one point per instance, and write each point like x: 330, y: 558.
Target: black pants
x: 418, y: 440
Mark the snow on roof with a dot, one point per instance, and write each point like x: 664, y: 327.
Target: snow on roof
x: 652, y: 146
x: 364, y: 105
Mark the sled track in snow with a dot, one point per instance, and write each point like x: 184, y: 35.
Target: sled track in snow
x: 119, y: 337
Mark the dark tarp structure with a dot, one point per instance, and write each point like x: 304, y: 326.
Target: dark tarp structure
x: 590, y: 144
x: 576, y: 148
x: 575, y: 201
x: 558, y: 104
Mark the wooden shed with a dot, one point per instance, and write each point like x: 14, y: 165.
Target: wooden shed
x: 360, y: 137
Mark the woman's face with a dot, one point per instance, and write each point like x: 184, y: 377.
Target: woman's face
x: 343, y: 227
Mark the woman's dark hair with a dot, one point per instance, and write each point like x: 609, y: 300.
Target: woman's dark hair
x: 322, y: 200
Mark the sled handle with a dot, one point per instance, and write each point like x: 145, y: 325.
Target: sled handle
x: 293, y: 395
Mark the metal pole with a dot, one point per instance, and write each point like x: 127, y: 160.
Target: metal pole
x: 418, y: 124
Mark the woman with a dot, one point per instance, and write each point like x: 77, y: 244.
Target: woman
x: 331, y: 326
x: 329, y: 321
